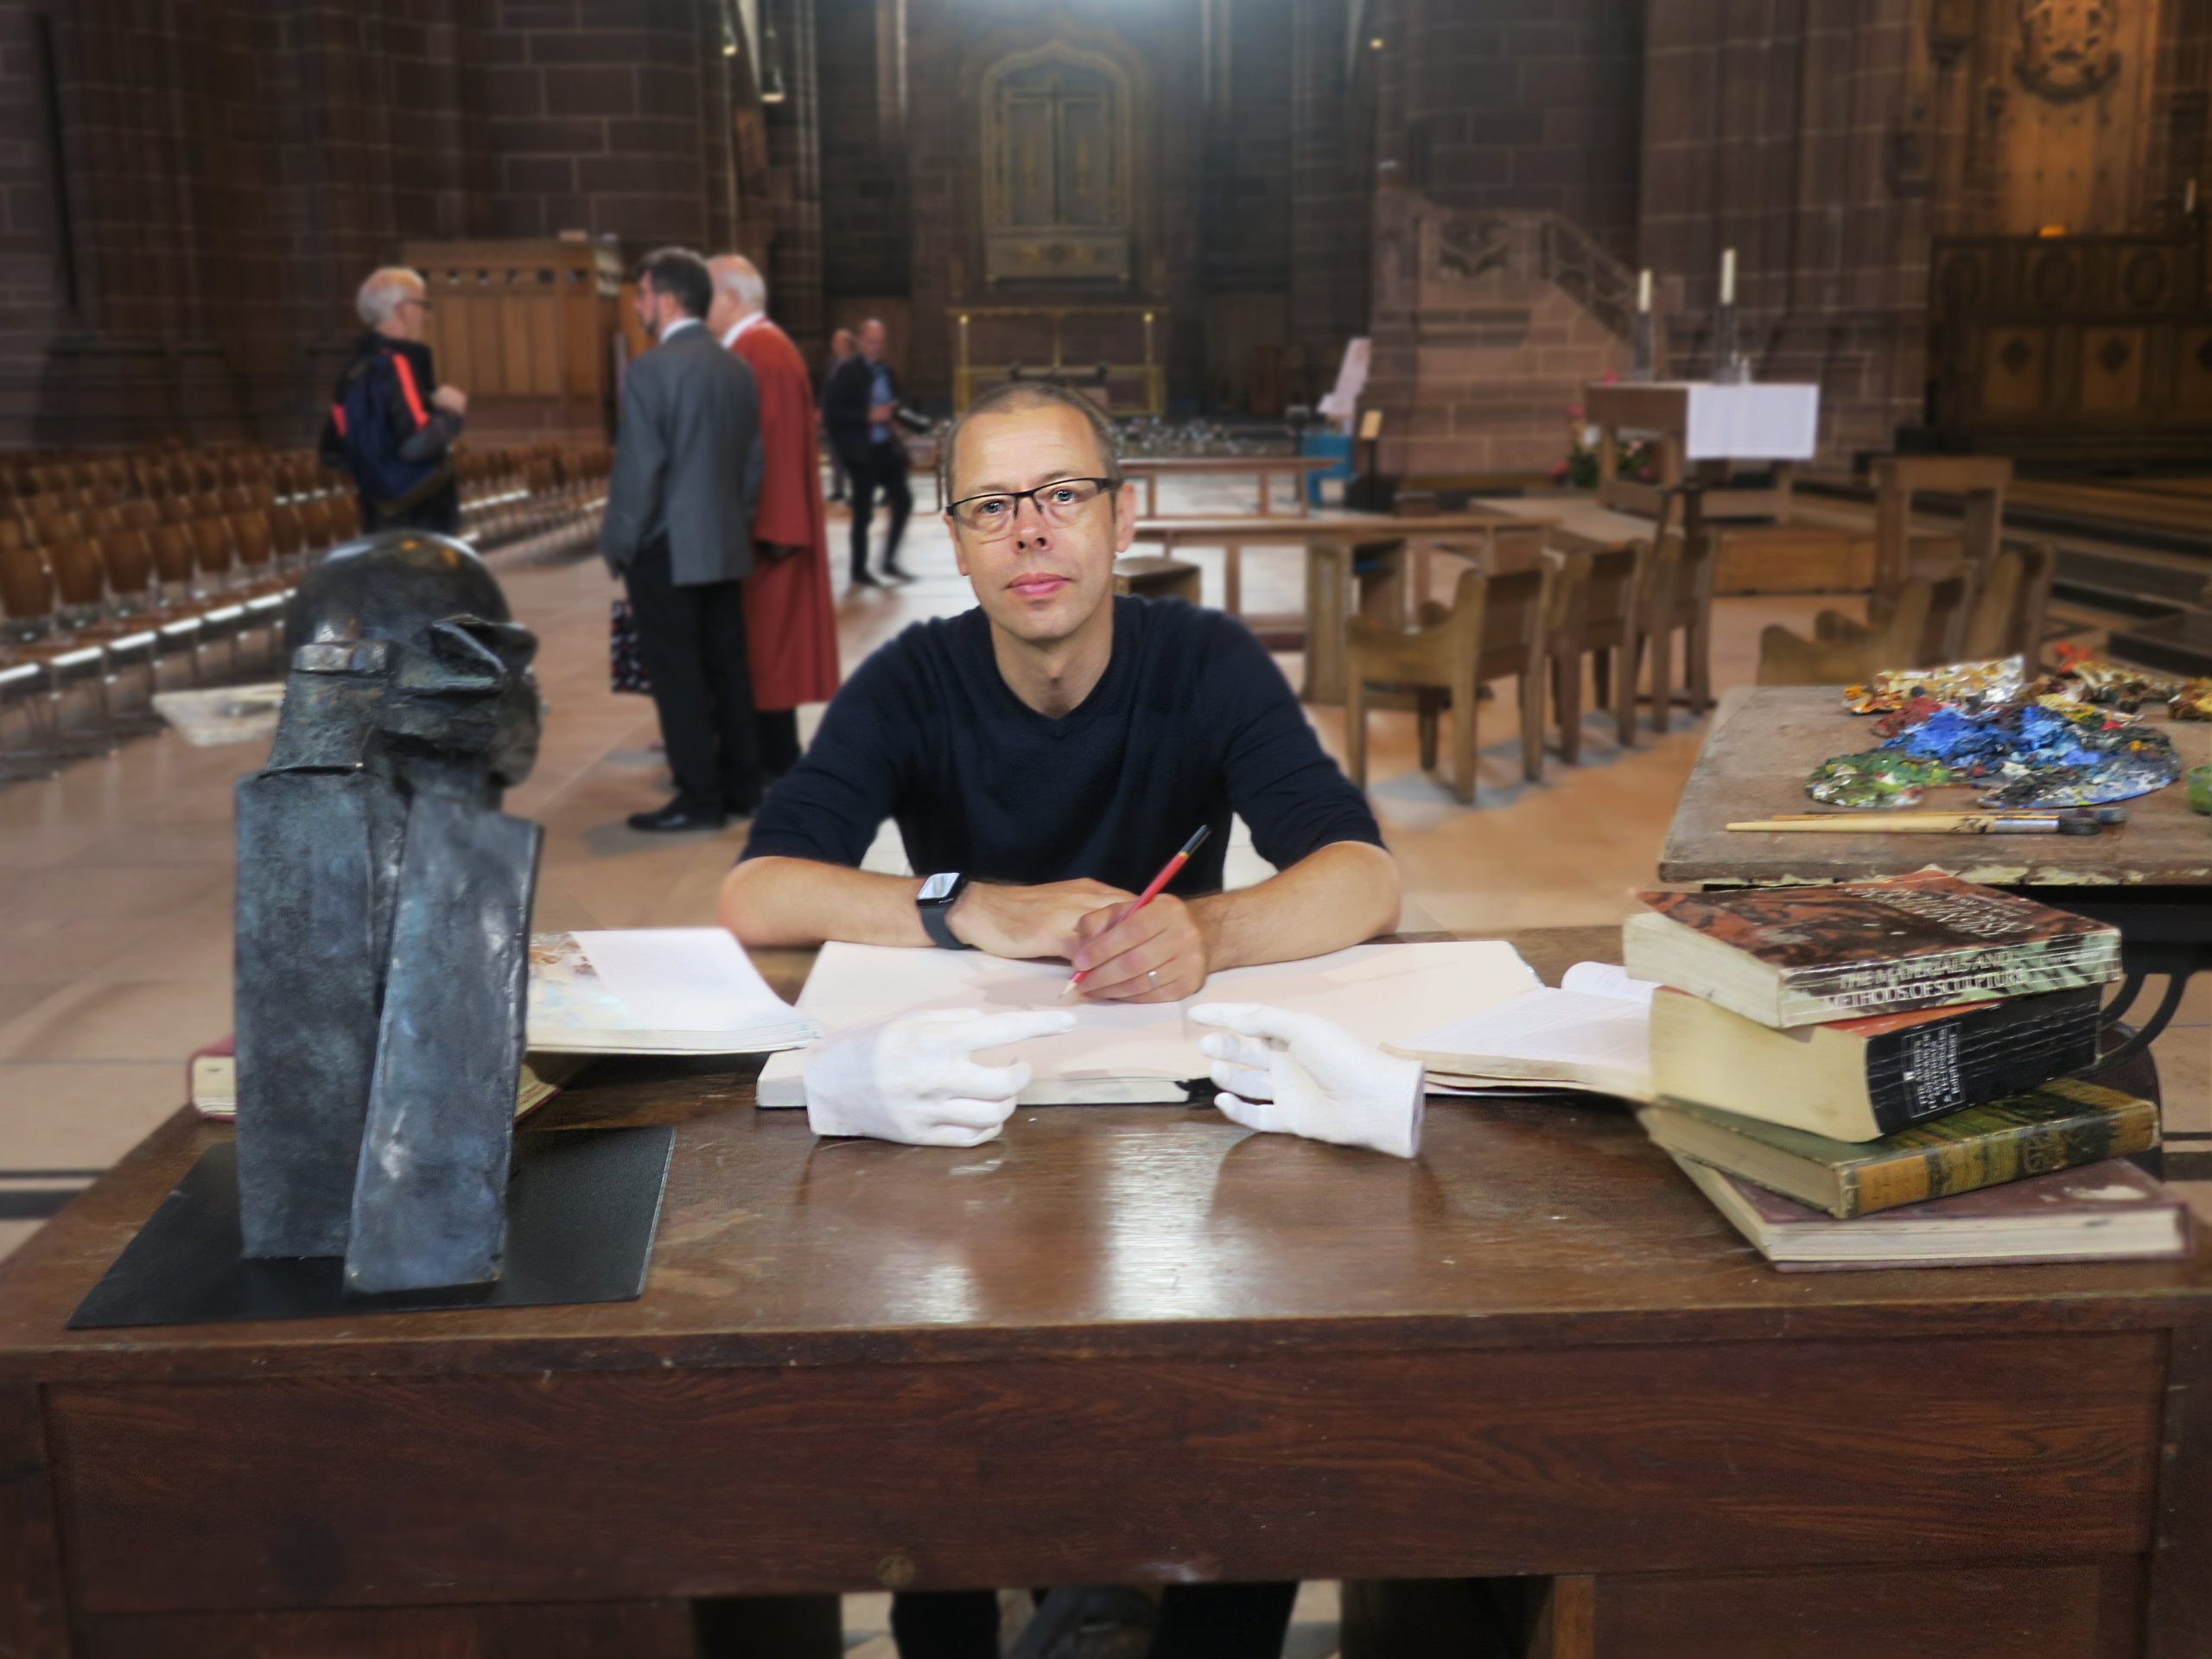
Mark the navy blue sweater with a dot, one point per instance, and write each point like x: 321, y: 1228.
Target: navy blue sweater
x: 1191, y: 722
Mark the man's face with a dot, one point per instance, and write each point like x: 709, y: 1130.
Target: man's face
x: 841, y: 343
x: 412, y: 314
x: 872, y: 342
x: 1041, y: 581
x: 652, y: 307
x: 723, y: 315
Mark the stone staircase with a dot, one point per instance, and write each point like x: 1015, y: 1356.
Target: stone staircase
x: 1486, y: 326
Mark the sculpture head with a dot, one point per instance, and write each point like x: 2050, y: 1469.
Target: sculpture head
x: 461, y: 690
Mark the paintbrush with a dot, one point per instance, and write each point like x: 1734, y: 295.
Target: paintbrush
x: 1926, y: 823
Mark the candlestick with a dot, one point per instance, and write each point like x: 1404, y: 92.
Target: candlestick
x: 1728, y: 277
x: 1644, y: 292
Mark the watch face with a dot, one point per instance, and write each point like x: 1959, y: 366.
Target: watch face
x: 939, y: 888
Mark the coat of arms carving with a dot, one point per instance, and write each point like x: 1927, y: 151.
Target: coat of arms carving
x: 2068, y: 48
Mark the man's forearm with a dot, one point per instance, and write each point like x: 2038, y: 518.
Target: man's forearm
x: 800, y: 901
x: 1345, y: 895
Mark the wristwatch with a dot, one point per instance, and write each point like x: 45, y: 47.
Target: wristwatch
x: 938, y: 895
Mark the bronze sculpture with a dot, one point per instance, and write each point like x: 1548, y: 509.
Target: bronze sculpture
x: 382, y: 914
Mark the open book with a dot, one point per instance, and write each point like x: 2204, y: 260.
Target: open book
x: 661, y: 990
x: 1138, y: 1053
x: 1594, y: 1033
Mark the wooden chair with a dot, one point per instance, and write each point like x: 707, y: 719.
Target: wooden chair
x: 214, y: 552
x: 1942, y: 638
x: 1150, y: 576
x: 1992, y: 621
x: 1979, y: 480
x: 1847, y: 659
x: 89, y: 610
x: 1495, y: 627
x: 1601, y: 623
x: 1677, y: 598
x: 2039, y: 568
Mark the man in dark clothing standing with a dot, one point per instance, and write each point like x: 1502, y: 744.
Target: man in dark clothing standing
x: 858, y: 408
x: 678, y: 531
x: 390, y: 425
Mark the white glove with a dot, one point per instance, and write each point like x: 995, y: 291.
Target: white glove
x: 1301, y: 1075
x: 911, y: 1079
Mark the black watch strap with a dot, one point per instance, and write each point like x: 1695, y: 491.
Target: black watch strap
x: 936, y: 911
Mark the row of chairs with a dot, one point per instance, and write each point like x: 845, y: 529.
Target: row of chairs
x: 89, y: 593
x: 1537, y: 615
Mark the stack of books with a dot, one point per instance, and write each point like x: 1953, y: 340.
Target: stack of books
x: 1888, y: 1073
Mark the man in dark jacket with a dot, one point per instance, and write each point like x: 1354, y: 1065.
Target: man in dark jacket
x: 841, y: 347
x: 859, y: 409
x: 391, y: 425
x: 678, y: 531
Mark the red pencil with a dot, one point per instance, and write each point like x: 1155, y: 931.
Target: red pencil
x: 1151, y: 891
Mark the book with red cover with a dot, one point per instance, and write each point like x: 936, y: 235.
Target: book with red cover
x: 1806, y: 955
x: 2098, y: 1212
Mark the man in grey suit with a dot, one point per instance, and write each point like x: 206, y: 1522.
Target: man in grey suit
x: 678, y: 531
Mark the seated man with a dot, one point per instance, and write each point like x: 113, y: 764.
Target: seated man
x: 1042, y: 756
x: 1045, y: 753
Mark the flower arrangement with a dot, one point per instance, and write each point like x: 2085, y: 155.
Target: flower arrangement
x: 1639, y: 458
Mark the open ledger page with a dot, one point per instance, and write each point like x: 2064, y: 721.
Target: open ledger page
x: 1594, y: 1032
x: 1133, y: 1053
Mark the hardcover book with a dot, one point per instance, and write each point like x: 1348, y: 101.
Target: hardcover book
x: 1805, y: 956
x: 2059, y: 1126
x: 2102, y: 1213
x: 1857, y: 1079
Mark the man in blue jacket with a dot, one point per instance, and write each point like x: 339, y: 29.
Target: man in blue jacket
x: 391, y: 425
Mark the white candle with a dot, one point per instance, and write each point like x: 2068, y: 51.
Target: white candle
x: 1643, y: 293
x: 1728, y: 277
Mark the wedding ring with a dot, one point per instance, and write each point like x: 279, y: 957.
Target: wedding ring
x: 1152, y: 974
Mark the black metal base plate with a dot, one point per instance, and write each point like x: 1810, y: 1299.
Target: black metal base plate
x: 582, y: 1206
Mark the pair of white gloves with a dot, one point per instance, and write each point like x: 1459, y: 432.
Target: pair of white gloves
x: 913, y: 1080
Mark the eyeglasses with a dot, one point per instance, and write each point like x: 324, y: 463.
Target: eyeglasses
x: 1060, y: 502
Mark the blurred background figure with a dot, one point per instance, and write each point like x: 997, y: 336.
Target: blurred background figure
x: 841, y: 347
x: 391, y: 426
x: 791, y: 625
x: 859, y: 408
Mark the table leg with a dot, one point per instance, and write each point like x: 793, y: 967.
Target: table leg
x: 1232, y: 576
x: 1266, y: 496
x: 1152, y: 495
x: 33, y: 1616
x: 1328, y: 578
x: 1300, y: 488
x: 1608, y: 463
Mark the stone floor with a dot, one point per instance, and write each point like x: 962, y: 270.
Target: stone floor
x: 115, y: 876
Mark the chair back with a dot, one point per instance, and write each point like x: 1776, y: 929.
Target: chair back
x: 26, y: 589
x: 174, y: 561
x: 1994, y: 617
x: 1518, y: 616
x: 1942, y: 638
x: 250, y: 534
x: 212, y: 549
x: 80, y: 575
x: 129, y: 557
x: 1785, y: 658
x: 287, y: 535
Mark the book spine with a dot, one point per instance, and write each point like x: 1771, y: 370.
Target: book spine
x: 2003, y: 1048
x: 1937, y: 1171
x: 1829, y: 992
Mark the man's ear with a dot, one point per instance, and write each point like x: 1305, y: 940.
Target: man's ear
x: 1125, y: 515
x: 959, y: 553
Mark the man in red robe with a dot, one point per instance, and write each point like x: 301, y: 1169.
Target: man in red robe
x: 788, y: 612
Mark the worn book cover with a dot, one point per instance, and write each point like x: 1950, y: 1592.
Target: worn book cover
x: 2100, y: 1212
x: 2059, y: 1126
x: 1802, y: 955
x: 1858, y: 1079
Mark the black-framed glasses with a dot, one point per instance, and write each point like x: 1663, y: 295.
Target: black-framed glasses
x: 1060, y: 502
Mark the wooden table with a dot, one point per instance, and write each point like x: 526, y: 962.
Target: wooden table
x: 1662, y: 408
x: 2151, y: 877
x: 1265, y: 469
x: 1233, y: 533
x: 1125, y: 1344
